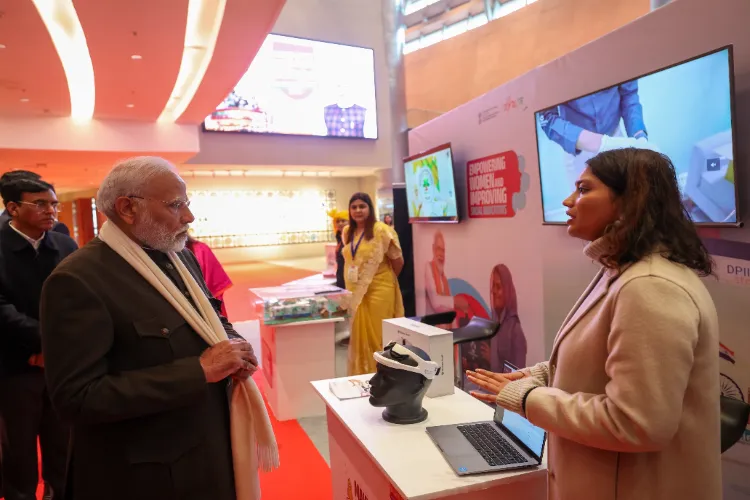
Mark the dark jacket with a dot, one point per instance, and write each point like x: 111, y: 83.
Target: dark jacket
x: 339, y: 262
x: 22, y: 274
x: 59, y: 227
x: 123, y: 368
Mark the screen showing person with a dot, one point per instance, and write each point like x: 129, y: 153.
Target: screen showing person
x: 430, y: 187
x: 684, y: 112
x: 303, y: 87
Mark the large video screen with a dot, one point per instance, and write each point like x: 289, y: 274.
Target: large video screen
x: 684, y: 111
x: 303, y: 87
x: 430, y: 186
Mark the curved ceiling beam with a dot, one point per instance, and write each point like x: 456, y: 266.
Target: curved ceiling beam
x: 203, y: 26
x: 64, y: 27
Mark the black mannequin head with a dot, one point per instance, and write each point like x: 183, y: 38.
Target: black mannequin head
x: 399, y: 390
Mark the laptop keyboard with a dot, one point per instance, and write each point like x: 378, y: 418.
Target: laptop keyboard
x: 493, y: 447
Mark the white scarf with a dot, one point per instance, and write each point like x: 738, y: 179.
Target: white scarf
x: 253, y: 442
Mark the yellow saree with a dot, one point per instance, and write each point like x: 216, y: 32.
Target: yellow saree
x: 375, y: 295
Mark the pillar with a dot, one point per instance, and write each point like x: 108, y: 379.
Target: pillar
x: 394, y: 33
x: 655, y: 4
x: 84, y: 220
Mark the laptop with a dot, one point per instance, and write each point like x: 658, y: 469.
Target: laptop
x: 508, y: 442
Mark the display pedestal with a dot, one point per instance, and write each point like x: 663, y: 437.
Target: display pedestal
x: 373, y: 459
x: 292, y: 355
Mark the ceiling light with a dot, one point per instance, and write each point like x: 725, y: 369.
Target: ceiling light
x: 2, y: 46
x: 130, y: 105
x: 236, y: 173
x: 221, y: 173
x: 136, y: 57
x: 203, y: 26
x: 309, y: 174
x: 202, y: 173
x: 324, y: 174
x: 65, y: 29
x: 289, y: 173
x: 24, y: 99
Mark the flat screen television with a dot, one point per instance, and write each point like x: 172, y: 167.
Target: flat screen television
x: 685, y: 111
x: 296, y: 86
x: 430, y: 186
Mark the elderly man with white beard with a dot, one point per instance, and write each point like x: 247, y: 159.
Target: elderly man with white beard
x: 154, y: 381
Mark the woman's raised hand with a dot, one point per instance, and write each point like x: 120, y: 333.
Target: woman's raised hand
x: 491, y: 382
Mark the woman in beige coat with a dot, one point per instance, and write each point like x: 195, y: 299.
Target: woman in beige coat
x: 630, y: 395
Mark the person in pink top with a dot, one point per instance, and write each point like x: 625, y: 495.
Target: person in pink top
x: 217, y: 279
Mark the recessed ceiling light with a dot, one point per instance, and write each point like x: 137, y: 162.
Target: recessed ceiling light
x: 2, y: 46
x: 130, y: 105
x: 24, y: 99
x: 64, y: 27
x: 136, y: 57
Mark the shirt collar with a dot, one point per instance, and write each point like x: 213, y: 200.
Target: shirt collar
x: 34, y: 243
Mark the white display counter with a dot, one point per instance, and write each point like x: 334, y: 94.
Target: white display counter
x: 291, y: 356
x: 372, y: 459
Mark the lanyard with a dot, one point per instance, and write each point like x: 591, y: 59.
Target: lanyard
x: 354, y: 249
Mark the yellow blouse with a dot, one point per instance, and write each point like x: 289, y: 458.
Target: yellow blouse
x: 372, y: 258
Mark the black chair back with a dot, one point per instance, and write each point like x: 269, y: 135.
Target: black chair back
x: 441, y: 318
x: 476, y: 329
x: 734, y: 418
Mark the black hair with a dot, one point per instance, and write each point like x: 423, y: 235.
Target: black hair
x: 653, y: 216
x: 12, y: 191
x: 369, y: 223
x: 19, y: 174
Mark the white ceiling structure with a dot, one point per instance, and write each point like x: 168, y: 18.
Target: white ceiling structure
x: 69, y: 68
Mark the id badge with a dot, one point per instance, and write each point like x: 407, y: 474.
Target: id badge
x: 351, y: 274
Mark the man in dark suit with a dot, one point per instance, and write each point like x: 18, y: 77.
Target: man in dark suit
x: 29, y: 251
x: 59, y: 227
x: 146, y: 395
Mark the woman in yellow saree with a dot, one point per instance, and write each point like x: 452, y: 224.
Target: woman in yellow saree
x: 372, y: 262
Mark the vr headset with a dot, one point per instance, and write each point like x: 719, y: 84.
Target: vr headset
x: 428, y: 369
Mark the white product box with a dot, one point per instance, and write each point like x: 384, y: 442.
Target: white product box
x: 436, y: 342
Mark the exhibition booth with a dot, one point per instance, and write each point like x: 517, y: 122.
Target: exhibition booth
x: 494, y: 172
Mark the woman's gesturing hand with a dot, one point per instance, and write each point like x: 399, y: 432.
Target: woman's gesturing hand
x: 491, y: 382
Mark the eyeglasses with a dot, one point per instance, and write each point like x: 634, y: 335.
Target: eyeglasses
x: 42, y: 205
x: 174, y: 205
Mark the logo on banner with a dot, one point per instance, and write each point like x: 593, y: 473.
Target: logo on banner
x: 357, y: 493
x: 488, y: 114
x: 497, y: 185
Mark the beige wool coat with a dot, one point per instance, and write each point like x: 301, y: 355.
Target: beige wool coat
x: 630, y: 395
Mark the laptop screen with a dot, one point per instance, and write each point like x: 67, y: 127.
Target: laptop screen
x: 529, y: 434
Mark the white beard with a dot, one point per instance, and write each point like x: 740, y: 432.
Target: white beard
x: 152, y: 235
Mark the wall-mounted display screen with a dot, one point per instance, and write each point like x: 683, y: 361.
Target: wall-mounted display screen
x: 684, y: 111
x: 430, y: 186
x: 303, y: 87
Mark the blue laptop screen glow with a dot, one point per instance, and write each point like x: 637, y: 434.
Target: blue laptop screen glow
x: 529, y: 434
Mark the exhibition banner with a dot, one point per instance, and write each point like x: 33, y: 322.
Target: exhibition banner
x: 500, y: 262
x: 493, y: 181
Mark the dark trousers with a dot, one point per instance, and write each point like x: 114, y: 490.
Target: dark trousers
x: 26, y: 413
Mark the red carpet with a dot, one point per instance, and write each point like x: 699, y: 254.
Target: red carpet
x: 303, y: 472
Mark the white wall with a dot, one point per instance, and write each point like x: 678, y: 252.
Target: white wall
x: 352, y: 22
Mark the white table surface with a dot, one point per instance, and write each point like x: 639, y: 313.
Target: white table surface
x: 309, y: 322
x: 407, y: 455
